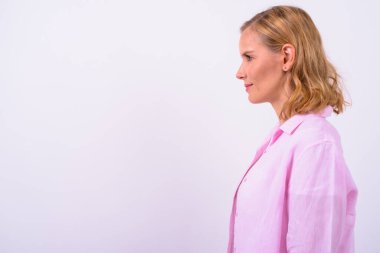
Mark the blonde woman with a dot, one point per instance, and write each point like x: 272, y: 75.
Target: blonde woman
x: 297, y: 195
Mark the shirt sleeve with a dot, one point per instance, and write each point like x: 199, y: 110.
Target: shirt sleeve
x: 316, y: 200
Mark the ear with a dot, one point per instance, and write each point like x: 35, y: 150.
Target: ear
x: 289, y: 53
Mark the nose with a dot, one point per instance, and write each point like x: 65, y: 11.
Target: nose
x: 240, y: 74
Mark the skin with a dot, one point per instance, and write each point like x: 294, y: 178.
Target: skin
x: 268, y: 71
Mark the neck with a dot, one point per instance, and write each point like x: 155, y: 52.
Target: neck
x: 283, y: 97
x: 277, y: 108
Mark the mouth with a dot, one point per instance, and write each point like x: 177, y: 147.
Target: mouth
x: 248, y: 86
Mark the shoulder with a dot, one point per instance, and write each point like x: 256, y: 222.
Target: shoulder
x: 315, y: 131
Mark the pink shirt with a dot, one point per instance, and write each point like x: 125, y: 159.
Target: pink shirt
x: 298, y: 194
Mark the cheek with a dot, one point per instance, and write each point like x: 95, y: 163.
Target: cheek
x: 257, y: 72
x: 266, y: 72
x: 251, y: 70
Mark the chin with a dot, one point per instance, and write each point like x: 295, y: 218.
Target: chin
x: 255, y: 100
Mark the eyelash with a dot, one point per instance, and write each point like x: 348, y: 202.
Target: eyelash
x: 249, y: 58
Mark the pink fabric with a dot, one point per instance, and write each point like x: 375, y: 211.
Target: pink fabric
x: 298, y: 194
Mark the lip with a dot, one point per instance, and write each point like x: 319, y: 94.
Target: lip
x: 248, y: 86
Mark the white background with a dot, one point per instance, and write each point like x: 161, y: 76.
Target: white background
x: 123, y: 128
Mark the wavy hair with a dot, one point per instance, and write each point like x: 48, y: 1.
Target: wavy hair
x: 314, y: 81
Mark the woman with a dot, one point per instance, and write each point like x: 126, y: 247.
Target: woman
x: 298, y: 194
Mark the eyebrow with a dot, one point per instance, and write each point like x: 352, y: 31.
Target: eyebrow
x: 247, y: 52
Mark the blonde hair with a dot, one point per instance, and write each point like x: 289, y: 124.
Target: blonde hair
x: 315, y: 82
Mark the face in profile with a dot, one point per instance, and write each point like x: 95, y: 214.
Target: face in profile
x: 261, y: 70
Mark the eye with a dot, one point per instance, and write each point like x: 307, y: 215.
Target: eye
x: 248, y: 57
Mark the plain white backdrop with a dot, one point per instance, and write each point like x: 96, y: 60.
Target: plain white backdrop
x: 123, y: 128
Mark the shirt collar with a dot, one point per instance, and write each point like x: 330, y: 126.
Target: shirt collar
x: 293, y: 122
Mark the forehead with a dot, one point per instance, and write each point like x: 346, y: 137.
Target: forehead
x: 250, y: 41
